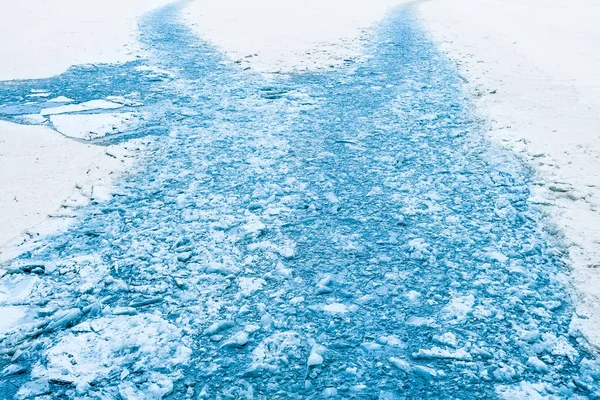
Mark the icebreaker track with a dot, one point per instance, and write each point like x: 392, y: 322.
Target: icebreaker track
x: 342, y: 234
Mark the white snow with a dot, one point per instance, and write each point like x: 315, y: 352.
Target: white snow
x: 533, y: 69
x: 51, y: 166
x: 44, y: 38
x: 273, y: 36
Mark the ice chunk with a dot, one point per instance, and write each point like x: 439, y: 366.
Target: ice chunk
x: 250, y: 285
x: 185, y: 256
x: 254, y: 224
x: 314, y: 359
x: 287, y: 250
x: 316, y: 355
x: 370, y: 346
x: 218, y: 327
x: 93, y: 126
x: 505, y: 373
x: 157, y: 387
x: 33, y: 389
x: 419, y: 321
x: 336, y: 309
x: 438, y: 353
x: 523, y: 390
x: 427, y: 373
x: 418, y: 245
x: 331, y: 197
x: 276, y: 349
x: 218, y: 268
x: 412, y: 295
x: 448, y: 339
x: 17, y: 288
x: 39, y: 93
x: 266, y: 321
x: 368, y: 298
x: 10, y: 316
x: 358, y: 388
x: 13, y: 369
x: 33, y: 118
x: 239, y: 339
x: 537, y: 365
x: 61, y: 99
x: 65, y: 319
x: 330, y: 393
x: 562, y: 347
x: 182, y: 355
x: 392, y: 341
x: 400, y: 364
x: 530, y: 336
x: 282, y: 271
x: 88, y: 105
x: 458, y: 308
x: 250, y: 328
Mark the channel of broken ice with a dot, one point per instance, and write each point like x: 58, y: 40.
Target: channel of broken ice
x: 346, y: 234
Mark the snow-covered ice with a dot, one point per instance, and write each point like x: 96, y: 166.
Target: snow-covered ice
x: 94, y: 126
x: 86, y: 106
x: 55, y: 169
x: 298, y: 35
x: 45, y: 38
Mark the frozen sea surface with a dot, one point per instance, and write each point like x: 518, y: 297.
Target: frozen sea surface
x: 347, y: 234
